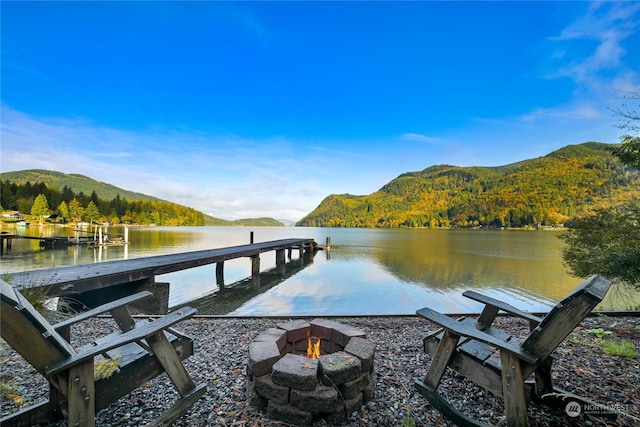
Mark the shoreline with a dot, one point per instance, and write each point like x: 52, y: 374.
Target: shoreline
x: 221, y: 353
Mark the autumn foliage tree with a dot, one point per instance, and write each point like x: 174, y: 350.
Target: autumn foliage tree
x: 40, y: 206
x: 607, y: 241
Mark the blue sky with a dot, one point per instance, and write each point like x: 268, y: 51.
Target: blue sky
x: 243, y: 109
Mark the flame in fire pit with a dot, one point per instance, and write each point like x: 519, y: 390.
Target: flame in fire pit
x: 313, y: 348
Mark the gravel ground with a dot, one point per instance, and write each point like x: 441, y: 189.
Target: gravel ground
x: 221, y: 355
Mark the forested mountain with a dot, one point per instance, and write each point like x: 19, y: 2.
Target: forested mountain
x: 75, y: 182
x: 76, y: 197
x: 548, y: 190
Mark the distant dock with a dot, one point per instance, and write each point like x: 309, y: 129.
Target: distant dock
x: 100, y: 238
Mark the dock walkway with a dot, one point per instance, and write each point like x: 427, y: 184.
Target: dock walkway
x: 86, y: 278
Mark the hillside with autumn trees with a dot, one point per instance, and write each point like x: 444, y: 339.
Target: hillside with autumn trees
x: 40, y: 199
x: 545, y: 191
x: 62, y: 197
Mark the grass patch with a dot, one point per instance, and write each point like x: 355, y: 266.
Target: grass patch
x: 598, y: 332
x: 9, y: 390
x: 408, y: 422
x: 622, y: 348
x: 37, y: 296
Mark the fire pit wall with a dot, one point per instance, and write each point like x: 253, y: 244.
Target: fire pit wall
x: 293, y: 388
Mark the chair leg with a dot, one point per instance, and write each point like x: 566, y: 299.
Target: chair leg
x: 189, y: 392
x: 544, y: 382
x: 171, y: 362
x: 448, y: 410
x: 180, y: 407
x: 513, y: 389
x: 441, y: 359
x: 81, y: 395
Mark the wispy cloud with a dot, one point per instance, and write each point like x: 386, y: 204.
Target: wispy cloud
x: 576, y: 111
x: 607, y: 25
x: 591, y: 51
x: 416, y: 137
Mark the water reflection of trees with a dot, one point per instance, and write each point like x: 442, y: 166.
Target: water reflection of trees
x: 447, y: 260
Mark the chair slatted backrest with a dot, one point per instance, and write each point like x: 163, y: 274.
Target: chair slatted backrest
x: 24, y: 329
x: 565, y: 316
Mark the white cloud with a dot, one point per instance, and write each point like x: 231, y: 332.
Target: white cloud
x: 221, y: 175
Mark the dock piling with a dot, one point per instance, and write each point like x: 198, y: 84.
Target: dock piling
x: 255, y: 270
x: 280, y: 261
x: 220, y: 274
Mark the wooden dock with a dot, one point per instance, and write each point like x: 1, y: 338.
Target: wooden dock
x: 90, y: 282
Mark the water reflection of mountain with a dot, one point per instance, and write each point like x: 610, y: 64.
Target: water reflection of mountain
x: 231, y: 296
x: 530, y: 261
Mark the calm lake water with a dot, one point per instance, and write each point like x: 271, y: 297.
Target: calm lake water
x: 366, y: 272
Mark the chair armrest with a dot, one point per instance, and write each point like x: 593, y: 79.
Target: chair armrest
x: 502, y: 306
x: 101, y: 309
x: 136, y: 334
x: 467, y: 331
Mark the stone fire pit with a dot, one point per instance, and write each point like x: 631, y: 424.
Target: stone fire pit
x: 293, y: 388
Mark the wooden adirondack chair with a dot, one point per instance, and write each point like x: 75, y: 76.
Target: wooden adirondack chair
x: 145, y: 348
x: 494, y: 360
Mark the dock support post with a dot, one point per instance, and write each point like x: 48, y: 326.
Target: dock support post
x: 289, y: 250
x: 280, y: 262
x: 255, y: 270
x: 251, y: 237
x: 308, y: 253
x: 220, y: 274
x: 5, y: 242
x: 158, y: 303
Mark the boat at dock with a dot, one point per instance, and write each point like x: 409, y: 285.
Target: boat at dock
x: 98, y: 238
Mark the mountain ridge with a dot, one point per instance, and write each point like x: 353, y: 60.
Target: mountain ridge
x: 87, y: 185
x: 547, y: 190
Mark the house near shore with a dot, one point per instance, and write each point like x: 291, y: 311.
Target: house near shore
x: 12, y: 216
